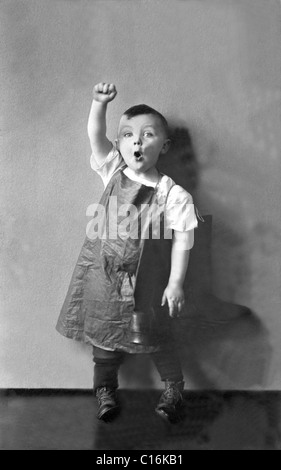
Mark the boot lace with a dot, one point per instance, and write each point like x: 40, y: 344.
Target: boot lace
x: 104, y: 393
x: 171, y: 394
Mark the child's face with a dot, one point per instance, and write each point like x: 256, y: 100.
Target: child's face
x: 141, y: 140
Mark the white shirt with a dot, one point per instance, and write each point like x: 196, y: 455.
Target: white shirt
x: 179, y: 210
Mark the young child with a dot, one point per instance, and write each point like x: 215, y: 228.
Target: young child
x: 127, y: 287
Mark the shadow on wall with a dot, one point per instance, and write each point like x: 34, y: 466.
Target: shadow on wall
x: 180, y: 161
x: 223, y: 345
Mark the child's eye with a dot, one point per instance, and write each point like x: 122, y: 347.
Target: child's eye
x: 128, y: 134
x: 148, y: 134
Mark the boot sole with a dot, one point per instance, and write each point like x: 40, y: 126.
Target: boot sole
x: 109, y: 415
x: 172, y: 418
x: 164, y: 416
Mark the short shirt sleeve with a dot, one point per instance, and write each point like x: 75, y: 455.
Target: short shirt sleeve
x: 180, y: 210
x: 111, y: 164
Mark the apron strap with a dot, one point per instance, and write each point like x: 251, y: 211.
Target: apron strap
x: 142, y: 244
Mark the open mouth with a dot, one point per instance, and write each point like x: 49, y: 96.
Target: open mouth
x: 138, y: 155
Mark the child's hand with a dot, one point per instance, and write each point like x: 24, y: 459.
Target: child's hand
x: 104, y: 92
x: 174, y: 295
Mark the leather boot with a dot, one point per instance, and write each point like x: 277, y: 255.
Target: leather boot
x: 170, y: 405
x: 108, y: 406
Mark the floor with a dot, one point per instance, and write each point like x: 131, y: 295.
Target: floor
x: 65, y: 420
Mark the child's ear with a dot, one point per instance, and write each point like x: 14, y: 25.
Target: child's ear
x: 166, y: 146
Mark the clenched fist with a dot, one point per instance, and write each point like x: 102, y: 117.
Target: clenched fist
x: 104, y: 92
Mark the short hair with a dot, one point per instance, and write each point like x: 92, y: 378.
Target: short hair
x: 139, y: 109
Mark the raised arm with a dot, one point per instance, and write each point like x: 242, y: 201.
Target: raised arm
x: 103, y: 93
